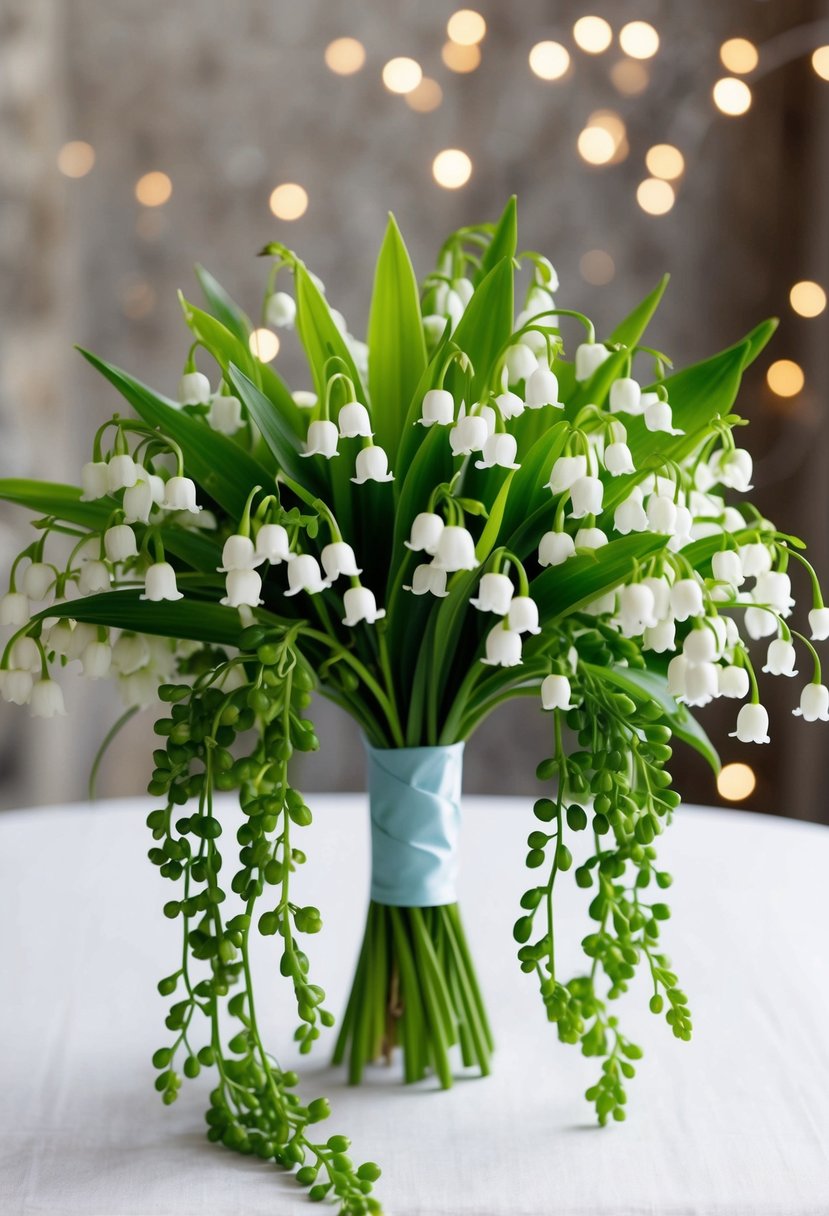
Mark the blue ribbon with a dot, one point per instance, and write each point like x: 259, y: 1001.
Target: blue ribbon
x: 415, y: 806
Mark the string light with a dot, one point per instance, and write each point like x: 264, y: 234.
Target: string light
x: 466, y: 27
x: 345, y: 56
x: 549, y: 60
x: 153, y: 189
x: 452, y: 168
x: 597, y: 267
x: 820, y: 62
x: 665, y: 161
x: 630, y: 77
x: 264, y: 344
x: 655, y: 196
x: 426, y: 97
x: 401, y: 75
x: 288, y: 202
x: 785, y: 378
x: 76, y: 158
x: 639, y: 40
x: 596, y: 146
x: 592, y: 34
x: 732, y: 96
x: 459, y: 58
x: 808, y: 299
x: 736, y: 781
x: 739, y: 55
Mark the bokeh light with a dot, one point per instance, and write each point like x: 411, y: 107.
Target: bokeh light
x: 426, y: 97
x: 596, y: 146
x: 736, y: 781
x: 401, y: 75
x: 137, y: 297
x: 630, y: 77
x: 76, y: 158
x: 597, y: 267
x: 807, y: 298
x: 153, y: 189
x: 739, y: 55
x: 264, y: 344
x: 655, y: 196
x: 732, y: 96
x: 345, y: 56
x: 666, y: 161
x: 288, y: 201
x: 452, y: 168
x: 820, y: 62
x: 459, y: 58
x: 549, y: 60
x: 592, y: 34
x: 466, y: 27
x: 785, y: 378
x: 639, y: 40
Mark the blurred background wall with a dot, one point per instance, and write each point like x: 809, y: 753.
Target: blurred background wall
x: 137, y: 138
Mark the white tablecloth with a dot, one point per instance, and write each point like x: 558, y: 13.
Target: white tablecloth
x: 736, y: 1123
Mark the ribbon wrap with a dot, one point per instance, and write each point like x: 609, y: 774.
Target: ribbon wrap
x: 415, y: 807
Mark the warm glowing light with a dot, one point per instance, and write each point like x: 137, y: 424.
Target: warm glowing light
x: 807, y: 298
x: 549, y: 60
x: 137, y: 297
x: 639, y: 40
x: 592, y: 34
x: 289, y: 201
x: 655, y: 196
x: 264, y: 344
x: 736, y: 781
x: 597, y: 267
x: 596, y: 145
x: 76, y: 158
x: 426, y: 97
x: 401, y: 75
x: 739, y: 55
x: 611, y: 122
x: 732, y: 96
x: 630, y: 77
x: 785, y: 378
x: 153, y: 189
x: 466, y: 27
x: 666, y: 161
x: 345, y: 56
x: 452, y: 168
x: 460, y: 58
x: 820, y: 62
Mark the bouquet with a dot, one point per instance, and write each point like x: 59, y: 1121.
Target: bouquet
x: 454, y: 515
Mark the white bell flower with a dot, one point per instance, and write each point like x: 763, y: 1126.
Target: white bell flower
x: 661, y: 512
x: 602, y: 606
x: 660, y: 637
x: 814, y: 704
x: 586, y: 497
x: 37, y: 581
x: 94, y: 480
x: 618, y: 459
x: 93, y: 578
x: 495, y: 592
x: 138, y: 502
x: 16, y: 686
x: 490, y: 417
x: 428, y: 579
x: 589, y: 358
x: 239, y: 553
x: 677, y: 672
x: 659, y: 417
x: 130, y: 653
x: 732, y: 519
x: 565, y: 472
x: 139, y: 689
x: 25, y: 655
x: 503, y: 648
x: 427, y: 529
x: 686, y: 599
x: 120, y: 543
x: 630, y: 515
x: 818, y: 623
x: 555, y: 692
x: 752, y: 725
x: 180, y: 495
x: 701, y: 684
x: 194, y: 389
x: 304, y: 398
x: 96, y: 660
x: 273, y: 544
x: 660, y: 589
x: 775, y: 589
x: 438, y: 408
x: 338, y: 559
x: 304, y: 574
x: 433, y: 327
x: 160, y: 583
x: 532, y: 339
x: 510, y: 405
x: 625, y: 396
x: 468, y: 435
x: 456, y: 550
x: 554, y: 548
x: 520, y: 363
x: 734, y: 469
x: 523, y: 615
x: 280, y: 310
x: 122, y: 472
x: 499, y: 451
x: 243, y: 589
x: 539, y: 299
x: 59, y: 638
x: 636, y: 609
x: 590, y: 538
x: 760, y: 623
x: 756, y: 558
x: 82, y: 635
x: 733, y: 682
x: 225, y: 414
x: 372, y: 464
x: 727, y: 568
x: 542, y: 389
x: 781, y: 658
x: 464, y: 288
x: 700, y: 646
x: 14, y: 608
x: 322, y: 439
x: 354, y: 422
x: 47, y: 700
x: 360, y: 605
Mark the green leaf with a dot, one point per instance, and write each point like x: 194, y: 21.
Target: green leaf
x: 485, y: 327
x: 397, y: 348
x: 637, y: 681
x: 504, y: 240
x: 560, y: 590
x: 630, y: 331
x: 61, y: 501
x: 223, y: 307
x: 758, y: 339
x: 527, y: 489
x: 224, y: 470
x: 195, y: 620
x: 319, y: 335
x: 225, y: 346
x: 495, y: 518
x: 278, y: 435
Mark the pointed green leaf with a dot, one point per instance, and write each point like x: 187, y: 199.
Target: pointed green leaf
x: 319, y: 335
x: 630, y: 331
x: 485, y: 327
x: 758, y: 339
x: 195, y: 620
x: 504, y: 240
x: 560, y: 590
x: 225, y: 346
x: 223, y: 307
x: 63, y: 502
x: 278, y: 435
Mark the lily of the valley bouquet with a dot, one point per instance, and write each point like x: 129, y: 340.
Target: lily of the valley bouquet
x: 455, y: 514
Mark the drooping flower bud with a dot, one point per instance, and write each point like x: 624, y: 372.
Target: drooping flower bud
x: 503, y: 648
x: 590, y: 538
x: 160, y: 583
x: 755, y: 557
x: 814, y: 704
x: 734, y: 469
x: 280, y: 310
x: 780, y: 658
x: 25, y: 655
x: 495, y: 592
x: 661, y: 511
x: 733, y: 682
x: 565, y: 472
x: 428, y: 579
x: 523, y: 615
x: 630, y: 515
x: 14, y: 608
x: 618, y: 459
x: 47, y: 700
x: 468, y: 435
x: 555, y: 692
x: 542, y: 389
x: 727, y: 568
x: 554, y: 548
x: 759, y: 623
x: 499, y: 450
x: 304, y: 574
x: 94, y: 577
x: 94, y: 480
x: 700, y: 646
x: 360, y: 605
x: 272, y: 544
x: 239, y: 553
x: 322, y: 439
x: 130, y: 653
x: 438, y: 408
x: 586, y: 497
x: 120, y: 543
x: 338, y: 558
x: 243, y: 588
x: 122, y: 472
x: 372, y: 464
x: 752, y: 725
x: 775, y: 589
x: 304, y: 398
x: 636, y: 609
x: 510, y: 405
x: 659, y: 417
x: 660, y: 637
x: 354, y: 421
x: 625, y: 396
x: 426, y: 533
x: 686, y: 599
x: 520, y: 363
x: 677, y: 672
x: 16, y: 686
x: 225, y: 414
x: 701, y: 684
x: 194, y: 389
x: 180, y: 495
x: 456, y: 550
x: 589, y: 358
x: 96, y: 660
x: 138, y: 502
x: 819, y: 624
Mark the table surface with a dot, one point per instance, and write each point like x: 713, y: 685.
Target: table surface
x: 735, y: 1123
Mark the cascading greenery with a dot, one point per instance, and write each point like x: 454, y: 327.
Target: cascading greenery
x: 601, y: 549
